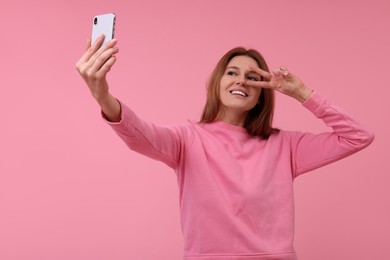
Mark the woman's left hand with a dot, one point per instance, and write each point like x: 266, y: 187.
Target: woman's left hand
x: 283, y: 81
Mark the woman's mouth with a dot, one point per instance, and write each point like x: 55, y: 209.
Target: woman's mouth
x: 238, y: 92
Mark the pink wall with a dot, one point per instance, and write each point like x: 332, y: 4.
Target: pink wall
x: 70, y: 189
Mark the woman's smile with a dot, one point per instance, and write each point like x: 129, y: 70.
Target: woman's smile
x: 236, y: 96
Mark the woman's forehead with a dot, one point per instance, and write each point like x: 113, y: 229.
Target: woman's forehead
x: 242, y: 61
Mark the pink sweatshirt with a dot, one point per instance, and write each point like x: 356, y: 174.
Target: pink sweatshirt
x: 236, y: 190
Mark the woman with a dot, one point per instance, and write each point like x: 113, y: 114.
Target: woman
x: 234, y: 170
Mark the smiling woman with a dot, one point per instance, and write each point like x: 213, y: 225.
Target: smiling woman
x: 236, y: 96
x: 234, y: 170
x: 232, y: 73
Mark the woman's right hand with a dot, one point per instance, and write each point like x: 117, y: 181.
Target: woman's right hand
x: 94, y: 65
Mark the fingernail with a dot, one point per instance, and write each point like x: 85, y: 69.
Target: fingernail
x: 114, y: 40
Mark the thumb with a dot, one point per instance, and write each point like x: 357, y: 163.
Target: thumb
x: 87, y: 43
x: 284, y: 71
x: 277, y: 73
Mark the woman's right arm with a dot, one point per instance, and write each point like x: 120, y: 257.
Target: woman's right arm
x: 160, y: 143
x: 93, y: 67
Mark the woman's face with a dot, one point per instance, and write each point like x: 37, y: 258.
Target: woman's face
x: 236, y: 96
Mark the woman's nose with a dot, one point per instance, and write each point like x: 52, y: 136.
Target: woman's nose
x: 241, y: 81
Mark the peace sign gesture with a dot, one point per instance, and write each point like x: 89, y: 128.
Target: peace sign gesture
x: 283, y: 81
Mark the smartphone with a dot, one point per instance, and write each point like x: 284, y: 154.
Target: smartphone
x: 103, y: 24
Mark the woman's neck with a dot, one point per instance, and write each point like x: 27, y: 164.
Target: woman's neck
x: 233, y: 117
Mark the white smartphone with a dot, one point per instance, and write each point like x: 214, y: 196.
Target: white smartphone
x: 103, y: 24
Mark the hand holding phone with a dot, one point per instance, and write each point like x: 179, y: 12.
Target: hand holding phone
x: 95, y: 63
x: 103, y: 24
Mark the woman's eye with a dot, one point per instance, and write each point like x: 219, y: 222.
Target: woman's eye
x: 253, y: 78
x: 231, y: 73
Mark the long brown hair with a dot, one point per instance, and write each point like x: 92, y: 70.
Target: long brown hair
x: 258, y: 121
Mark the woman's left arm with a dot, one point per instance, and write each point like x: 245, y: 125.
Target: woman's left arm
x: 310, y: 151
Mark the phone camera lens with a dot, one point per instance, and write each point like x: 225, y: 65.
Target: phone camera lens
x: 95, y: 20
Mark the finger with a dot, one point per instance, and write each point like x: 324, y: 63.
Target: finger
x: 281, y: 73
x: 91, y: 50
x: 98, y: 42
x: 87, y: 44
x: 106, y: 67
x: 259, y: 84
x: 283, y: 70
x: 261, y: 72
x: 104, y: 48
x: 277, y: 73
x: 83, y: 58
x: 103, y: 59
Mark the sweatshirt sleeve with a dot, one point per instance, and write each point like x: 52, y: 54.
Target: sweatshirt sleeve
x: 161, y: 143
x: 311, y: 151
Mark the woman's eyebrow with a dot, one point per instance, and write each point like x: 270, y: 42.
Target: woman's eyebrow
x: 249, y: 72
x: 233, y: 67
x: 237, y: 68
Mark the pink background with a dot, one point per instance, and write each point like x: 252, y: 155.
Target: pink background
x: 70, y: 189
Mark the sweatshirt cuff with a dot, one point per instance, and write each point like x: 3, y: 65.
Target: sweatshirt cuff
x: 315, y: 103
x: 104, y: 117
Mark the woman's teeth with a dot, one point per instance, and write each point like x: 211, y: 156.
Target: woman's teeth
x: 237, y: 92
